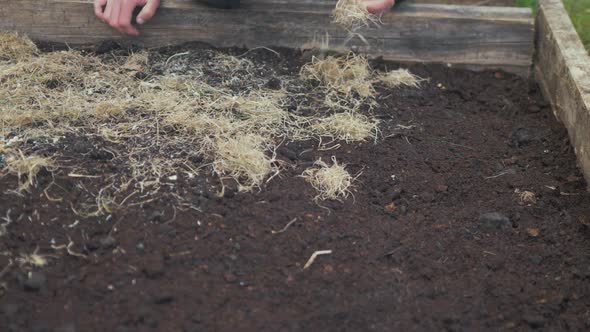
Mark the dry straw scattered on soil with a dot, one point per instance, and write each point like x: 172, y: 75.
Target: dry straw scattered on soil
x: 332, y: 182
x: 166, y: 116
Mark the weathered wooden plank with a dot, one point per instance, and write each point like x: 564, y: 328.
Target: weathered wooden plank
x: 563, y: 71
x: 488, y: 37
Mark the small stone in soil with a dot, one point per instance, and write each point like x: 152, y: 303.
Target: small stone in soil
x: 92, y: 245
x: 33, y: 281
x: 230, y: 277
x: 396, y: 194
x: 495, y: 263
x: 494, y: 220
x: 441, y: 188
x: 124, y: 329
x: 66, y: 328
x: 288, y: 153
x: 533, y: 232
x: 154, y: 269
x: 108, y: 242
x: 10, y: 309
x: 536, y: 259
x: 534, y: 109
x: 273, y: 84
x: 582, y: 273
x: 140, y: 246
x: 151, y: 322
x: 403, y: 210
x: 163, y: 298
x: 156, y: 216
x: 520, y: 137
x: 534, y: 321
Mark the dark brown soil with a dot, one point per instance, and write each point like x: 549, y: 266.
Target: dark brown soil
x: 436, y: 238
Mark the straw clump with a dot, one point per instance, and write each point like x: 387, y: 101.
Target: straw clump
x: 244, y: 159
x: 345, y: 75
x: 14, y: 47
x: 26, y: 168
x: 400, y: 77
x: 331, y: 182
x: 352, y: 15
x: 347, y: 126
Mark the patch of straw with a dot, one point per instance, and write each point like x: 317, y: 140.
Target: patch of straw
x: 14, y: 47
x: 33, y: 259
x: 230, y: 63
x: 345, y: 75
x: 110, y: 108
x: 347, y: 126
x: 399, y: 77
x: 137, y: 61
x: 331, y: 182
x: 244, y: 159
x: 26, y: 168
x: 526, y: 197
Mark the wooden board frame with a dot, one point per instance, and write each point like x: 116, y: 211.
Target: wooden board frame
x: 467, y: 36
x: 562, y: 68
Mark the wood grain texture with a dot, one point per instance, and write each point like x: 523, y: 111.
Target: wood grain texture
x: 480, y: 37
x: 562, y: 68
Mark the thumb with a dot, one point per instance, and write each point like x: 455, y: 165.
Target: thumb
x: 379, y: 6
x: 148, y: 11
x: 98, y: 8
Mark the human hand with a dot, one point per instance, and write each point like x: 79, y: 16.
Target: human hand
x: 378, y: 6
x: 118, y: 13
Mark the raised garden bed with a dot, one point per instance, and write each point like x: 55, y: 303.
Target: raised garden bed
x: 466, y: 209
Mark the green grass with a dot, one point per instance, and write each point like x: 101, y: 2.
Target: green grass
x: 579, y: 11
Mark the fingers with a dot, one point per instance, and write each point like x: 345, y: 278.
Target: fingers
x: 125, y: 16
x: 379, y: 6
x: 148, y: 11
x: 98, y: 8
x: 118, y: 14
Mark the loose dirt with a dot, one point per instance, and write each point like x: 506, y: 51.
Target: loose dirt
x: 435, y: 234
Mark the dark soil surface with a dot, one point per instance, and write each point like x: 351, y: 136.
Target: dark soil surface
x: 435, y: 238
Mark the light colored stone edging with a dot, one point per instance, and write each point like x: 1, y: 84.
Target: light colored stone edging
x: 562, y: 68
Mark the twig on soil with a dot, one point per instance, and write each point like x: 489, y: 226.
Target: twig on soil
x: 496, y: 176
x: 314, y: 256
x: 568, y: 194
x: 6, y: 268
x: 258, y: 48
x: 284, y: 229
x: 459, y: 145
x: 51, y: 199
x: 68, y: 248
x: 126, y: 198
x: 75, y: 175
x: 175, y: 56
x: 3, y: 227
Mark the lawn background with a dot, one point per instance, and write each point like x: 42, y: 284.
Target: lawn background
x: 579, y: 11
